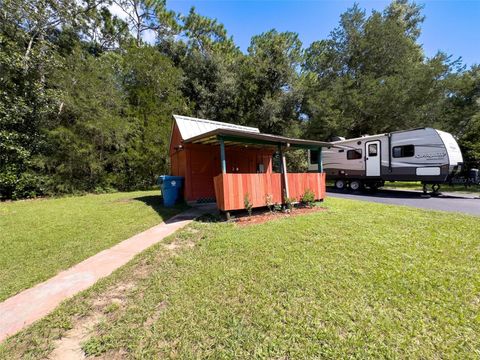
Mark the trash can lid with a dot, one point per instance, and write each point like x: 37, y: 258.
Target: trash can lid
x: 164, y: 178
x: 170, y: 177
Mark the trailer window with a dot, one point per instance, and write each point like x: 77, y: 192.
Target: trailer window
x: 403, y: 151
x: 372, y: 150
x: 354, y: 154
x: 313, y: 157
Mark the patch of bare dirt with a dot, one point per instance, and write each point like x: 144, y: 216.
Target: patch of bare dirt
x: 69, y: 347
x: 115, y: 295
x: 264, y: 216
x: 174, y: 246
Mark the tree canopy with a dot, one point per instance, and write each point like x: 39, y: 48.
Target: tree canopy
x: 86, y: 101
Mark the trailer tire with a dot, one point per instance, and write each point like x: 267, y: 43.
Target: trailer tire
x: 340, y: 184
x: 355, y: 185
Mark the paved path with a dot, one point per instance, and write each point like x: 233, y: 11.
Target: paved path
x: 463, y: 203
x: 32, y: 304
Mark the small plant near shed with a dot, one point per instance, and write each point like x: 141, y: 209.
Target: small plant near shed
x: 277, y: 207
x: 248, y: 205
x: 308, y: 198
x: 269, y: 202
x: 288, y: 202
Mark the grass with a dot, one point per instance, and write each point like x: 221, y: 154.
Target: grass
x: 405, y: 185
x: 361, y: 280
x: 38, y: 238
x: 417, y: 185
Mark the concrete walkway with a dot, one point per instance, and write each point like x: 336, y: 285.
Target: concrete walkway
x: 32, y: 304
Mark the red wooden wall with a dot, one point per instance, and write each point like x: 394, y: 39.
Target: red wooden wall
x: 298, y: 183
x: 231, y: 189
x: 199, y: 164
x: 178, y: 159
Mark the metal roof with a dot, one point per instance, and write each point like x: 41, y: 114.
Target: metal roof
x: 367, y: 137
x: 234, y: 137
x: 191, y: 127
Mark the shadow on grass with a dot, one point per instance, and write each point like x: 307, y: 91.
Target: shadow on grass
x: 156, y: 203
x: 211, y: 218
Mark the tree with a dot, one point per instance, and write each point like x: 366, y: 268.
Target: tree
x: 86, y: 98
x: 209, y: 60
x: 270, y: 96
x: 145, y: 16
x: 152, y: 87
x: 104, y: 31
x: 91, y: 130
x: 371, y: 75
x: 26, y: 103
x: 461, y: 112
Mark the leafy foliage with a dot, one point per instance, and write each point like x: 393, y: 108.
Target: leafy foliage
x: 308, y: 198
x: 289, y: 202
x: 248, y: 204
x: 371, y: 75
x: 86, y: 100
x: 269, y: 202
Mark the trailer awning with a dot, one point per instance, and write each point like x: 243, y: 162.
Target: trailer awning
x: 233, y: 137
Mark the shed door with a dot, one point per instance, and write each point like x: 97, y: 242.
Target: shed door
x: 372, y: 158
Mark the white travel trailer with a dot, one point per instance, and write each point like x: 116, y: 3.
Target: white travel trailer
x: 427, y: 155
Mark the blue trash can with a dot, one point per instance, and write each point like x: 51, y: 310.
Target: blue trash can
x: 170, y: 186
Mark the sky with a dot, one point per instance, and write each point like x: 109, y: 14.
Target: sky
x: 450, y: 26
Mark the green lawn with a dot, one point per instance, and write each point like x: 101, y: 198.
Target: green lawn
x: 38, y: 238
x: 417, y: 185
x: 405, y: 185
x: 361, y: 280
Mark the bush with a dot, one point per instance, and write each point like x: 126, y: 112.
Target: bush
x: 27, y: 185
x: 289, y: 201
x: 308, y: 198
x: 248, y: 204
x: 269, y: 202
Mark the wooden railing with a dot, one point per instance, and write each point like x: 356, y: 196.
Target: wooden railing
x: 230, y: 189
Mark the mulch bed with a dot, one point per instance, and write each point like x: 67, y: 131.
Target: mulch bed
x: 261, y: 216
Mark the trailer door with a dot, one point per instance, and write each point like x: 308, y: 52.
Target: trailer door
x: 372, y: 158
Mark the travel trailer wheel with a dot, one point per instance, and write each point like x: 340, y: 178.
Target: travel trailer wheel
x: 340, y: 184
x: 355, y: 185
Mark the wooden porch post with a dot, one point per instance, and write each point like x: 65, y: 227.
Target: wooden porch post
x: 283, y: 167
x: 222, y: 156
x: 224, y: 171
x: 320, y: 160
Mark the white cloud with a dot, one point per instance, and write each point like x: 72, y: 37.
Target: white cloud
x: 149, y: 37
x: 118, y: 11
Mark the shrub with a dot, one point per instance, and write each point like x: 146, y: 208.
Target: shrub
x: 277, y: 207
x: 27, y: 185
x: 288, y: 202
x: 308, y: 198
x: 269, y: 202
x: 248, y: 204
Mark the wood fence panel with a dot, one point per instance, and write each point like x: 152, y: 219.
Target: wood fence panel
x: 230, y: 189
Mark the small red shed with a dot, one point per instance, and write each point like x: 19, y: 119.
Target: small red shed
x: 225, y: 162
